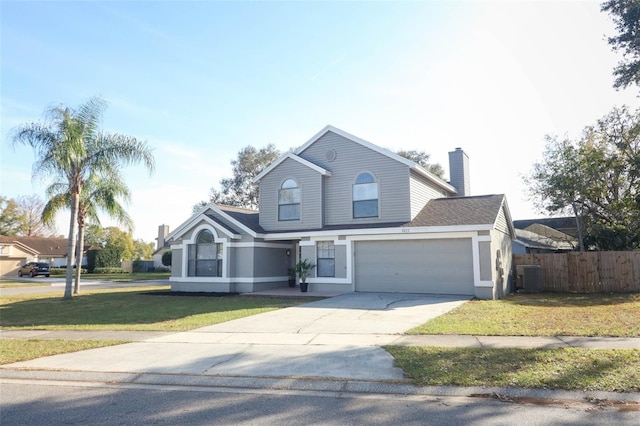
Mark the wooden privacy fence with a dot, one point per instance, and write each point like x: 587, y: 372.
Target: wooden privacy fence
x: 589, y: 272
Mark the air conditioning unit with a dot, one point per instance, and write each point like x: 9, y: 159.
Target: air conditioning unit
x: 529, y: 277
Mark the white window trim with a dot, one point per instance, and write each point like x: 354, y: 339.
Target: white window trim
x: 349, y: 261
x: 299, y: 219
x: 353, y: 184
x: 185, y: 255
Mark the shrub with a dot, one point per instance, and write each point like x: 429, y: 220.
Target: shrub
x: 162, y: 269
x: 91, y: 259
x: 107, y: 258
x: 63, y: 270
x: 166, y: 258
x: 109, y: 270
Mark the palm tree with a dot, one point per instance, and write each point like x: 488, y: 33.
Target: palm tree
x: 71, y: 146
x: 97, y: 195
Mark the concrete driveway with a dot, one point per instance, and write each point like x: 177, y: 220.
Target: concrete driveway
x: 332, y: 338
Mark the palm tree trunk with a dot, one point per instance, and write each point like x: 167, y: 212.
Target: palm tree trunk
x: 71, y: 245
x: 76, y: 288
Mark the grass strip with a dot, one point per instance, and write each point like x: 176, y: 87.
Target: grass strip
x: 543, y: 314
x: 15, y: 283
x: 131, y: 309
x: 124, y: 277
x: 615, y: 370
x: 23, y: 350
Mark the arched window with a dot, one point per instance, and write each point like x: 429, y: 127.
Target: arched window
x: 205, y: 256
x: 365, y: 196
x: 289, y: 201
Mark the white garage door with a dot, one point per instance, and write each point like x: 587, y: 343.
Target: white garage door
x: 415, y: 266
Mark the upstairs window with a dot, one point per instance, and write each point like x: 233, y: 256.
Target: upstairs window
x: 365, y: 196
x: 205, y: 256
x: 289, y: 201
x: 326, y: 252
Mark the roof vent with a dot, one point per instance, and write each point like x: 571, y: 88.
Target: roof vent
x: 331, y: 155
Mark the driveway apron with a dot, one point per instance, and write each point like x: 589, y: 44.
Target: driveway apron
x: 335, y: 338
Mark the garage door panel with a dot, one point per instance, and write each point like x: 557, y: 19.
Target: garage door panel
x: 415, y: 266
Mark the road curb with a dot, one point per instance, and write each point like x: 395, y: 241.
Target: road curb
x: 341, y: 387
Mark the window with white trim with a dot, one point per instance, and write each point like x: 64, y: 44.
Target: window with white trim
x: 326, y: 257
x: 205, y: 256
x: 365, y: 196
x: 289, y: 201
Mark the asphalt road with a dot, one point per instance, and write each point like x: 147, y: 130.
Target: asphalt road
x: 52, y: 403
x: 56, y: 285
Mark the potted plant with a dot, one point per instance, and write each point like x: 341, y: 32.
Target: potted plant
x: 292, y: 277
x: 303, y: 268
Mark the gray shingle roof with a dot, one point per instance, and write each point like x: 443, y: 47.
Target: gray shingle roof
x: 532, y: 240
x: 249, y: 218
x: 475, y: 210
x: 454, y: 211
x: 42, y: 245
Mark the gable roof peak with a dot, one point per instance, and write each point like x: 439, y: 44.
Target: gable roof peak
x: 411, y: 164
x: 293, y: 156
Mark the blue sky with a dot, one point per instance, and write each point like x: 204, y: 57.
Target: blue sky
x: 200, y: 80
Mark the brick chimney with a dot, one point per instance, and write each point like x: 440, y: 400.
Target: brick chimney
x: 459, y: 172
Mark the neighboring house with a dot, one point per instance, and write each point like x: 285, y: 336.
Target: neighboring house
x: 369, y: 219
x: 162, y: 245
x: 16, y: 251
x: 565, y: 225
x: 532, y: 242
x: 545, y: 235
x: 13, y: 255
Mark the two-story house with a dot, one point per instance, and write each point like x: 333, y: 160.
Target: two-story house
x: 370, y: 220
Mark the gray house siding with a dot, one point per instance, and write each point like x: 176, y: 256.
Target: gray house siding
x: 341, y: 261
x: 244, y: 237
x: 310, y: 184
x: 273, y: 262
x: 189, y: 234
x: 242, y: 264
x: 459, y: 171
x: 502, y: 243
x: 176, y: 262
x: 351, y: 159
x: 421, y: 192
x: 501, y: 222
x: 484, y: 252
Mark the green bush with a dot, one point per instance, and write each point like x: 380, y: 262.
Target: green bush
x: 107, y: 258
x: 162, y: 269
x: 91, y: 259
x: 166, y: 258
x: 63, y: 271
x: 109, y: 270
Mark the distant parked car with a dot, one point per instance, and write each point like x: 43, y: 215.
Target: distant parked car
x: 33, y: 269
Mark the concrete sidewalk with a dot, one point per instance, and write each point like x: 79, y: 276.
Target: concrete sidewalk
x: 328, y: 343
x: 348, y: 339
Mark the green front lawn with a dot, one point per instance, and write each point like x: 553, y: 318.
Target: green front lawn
x: 615, y: 370
x: 542, y: 314
x: 135, y: 308
x: 23, y: 350
x: 136, y: 276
